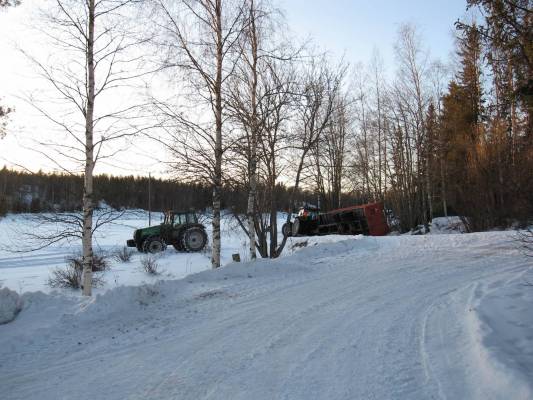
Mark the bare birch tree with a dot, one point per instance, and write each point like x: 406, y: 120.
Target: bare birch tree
x: 201, y: 39
x: 411, y: 99
x: 96, y: 59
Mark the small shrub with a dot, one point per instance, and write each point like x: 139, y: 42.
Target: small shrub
x: 100, y: 263
x: 299, y: 244
x: 149, y: 265
x: 70, y: 275
x: 124, y: 255
x: 525, y: 240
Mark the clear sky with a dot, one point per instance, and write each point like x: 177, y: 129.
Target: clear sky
x: 356, y: 27
x: 351, y: 27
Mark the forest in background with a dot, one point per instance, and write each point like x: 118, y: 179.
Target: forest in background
x: 25, y: 192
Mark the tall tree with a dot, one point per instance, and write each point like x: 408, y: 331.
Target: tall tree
x: 462, y: 131
x: 410, y: 100
x: 201, y: 37
x: 251, y: 58
x: 509, y: 29
x: 92, y: 60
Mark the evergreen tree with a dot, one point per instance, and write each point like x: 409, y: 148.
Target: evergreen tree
x: 8, y: 3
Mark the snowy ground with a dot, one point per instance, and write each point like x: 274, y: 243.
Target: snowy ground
x: 399, y: 317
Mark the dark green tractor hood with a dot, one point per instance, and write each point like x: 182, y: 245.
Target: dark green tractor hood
x: 148, y: 231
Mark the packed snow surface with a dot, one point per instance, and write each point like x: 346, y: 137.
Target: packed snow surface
x: 399, y: 317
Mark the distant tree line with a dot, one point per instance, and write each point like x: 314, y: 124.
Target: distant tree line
x: 23, y: 192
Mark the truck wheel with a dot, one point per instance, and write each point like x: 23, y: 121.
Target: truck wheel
x: 194, y: 239
x: 154, y: 245
x: 286, y: 229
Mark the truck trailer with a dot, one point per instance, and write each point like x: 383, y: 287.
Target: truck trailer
x: 366, y: 219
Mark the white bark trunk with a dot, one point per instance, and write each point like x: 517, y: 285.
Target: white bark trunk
x: 88, y: 206
x: 253, y: 140
x: 217, y: 184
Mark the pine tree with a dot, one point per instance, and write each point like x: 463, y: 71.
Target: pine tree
x: 9, y: 3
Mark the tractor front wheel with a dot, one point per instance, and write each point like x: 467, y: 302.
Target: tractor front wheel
x: 286, y: 229
x: 194, y: 239
x: 296, y: 228
x: 154, y: 245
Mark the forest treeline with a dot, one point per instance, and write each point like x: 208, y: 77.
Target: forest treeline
x: 24, y: 192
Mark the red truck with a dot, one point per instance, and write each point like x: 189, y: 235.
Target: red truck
x: 366, y: 219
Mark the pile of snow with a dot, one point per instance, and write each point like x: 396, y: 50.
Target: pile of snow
x: 10, y: 305
x: 445, y: 225
x: 504, y: 322
x: 297, y: 243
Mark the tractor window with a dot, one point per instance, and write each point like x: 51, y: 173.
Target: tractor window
x: 179, y: 219
x: 191, y: 218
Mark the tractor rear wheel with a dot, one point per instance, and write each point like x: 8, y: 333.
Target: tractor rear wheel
x: 154, y: 245
x: 194, y: 239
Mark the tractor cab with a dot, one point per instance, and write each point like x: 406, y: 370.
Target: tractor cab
x: 308, y: 213
x: 175, y: 218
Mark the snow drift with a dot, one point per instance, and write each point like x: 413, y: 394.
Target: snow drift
x: 10, y: 305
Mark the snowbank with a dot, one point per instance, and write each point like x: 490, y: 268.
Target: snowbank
x: 10, y: 305
x: 502, y: 322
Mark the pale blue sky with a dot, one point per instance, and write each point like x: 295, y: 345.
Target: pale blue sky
x: 359, y: 26
x: 352, y: 26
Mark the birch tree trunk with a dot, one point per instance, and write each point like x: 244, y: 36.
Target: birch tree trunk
x: 88, y: 206
x: 253, y: 38
x: 217, y: 187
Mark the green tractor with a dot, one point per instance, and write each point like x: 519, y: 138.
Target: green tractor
x: 179, y: 229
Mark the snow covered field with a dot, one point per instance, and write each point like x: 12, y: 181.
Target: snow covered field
x: 25, y: 272
x: 398, y: 317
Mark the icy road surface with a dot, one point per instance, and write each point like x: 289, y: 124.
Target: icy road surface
x: 371, y: 318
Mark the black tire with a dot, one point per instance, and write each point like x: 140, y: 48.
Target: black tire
x: 286, y: 229
x: 194, y: 239
x: 295, y: 229
x: 178, y: 246
x: 154, y: 245
x: 140, y: 247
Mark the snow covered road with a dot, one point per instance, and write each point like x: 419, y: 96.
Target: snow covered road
x: 370, y: 318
